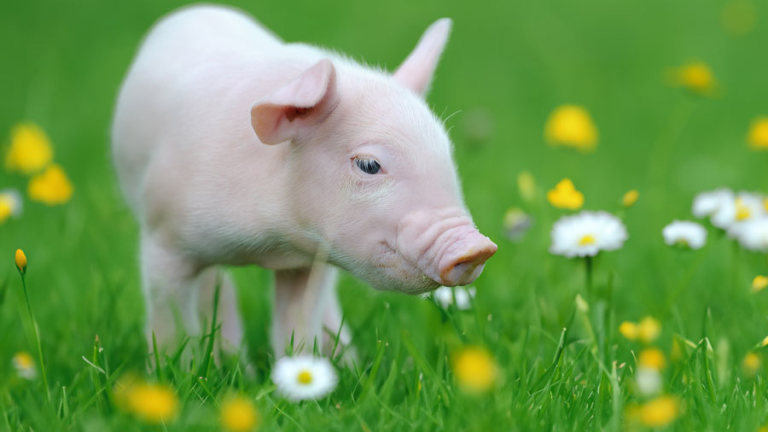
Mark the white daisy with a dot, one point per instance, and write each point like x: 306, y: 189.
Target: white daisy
x: 727, y: 210
x: 587, y: 233
x: 12, y: 199
x: 648, y: 381
x: 746, y: 207
x: 24, y: 365
x: 685, y: 233
x: 304, y: 377
x: 707, y: 204
x: 753, y: 234
x: 444, y: 296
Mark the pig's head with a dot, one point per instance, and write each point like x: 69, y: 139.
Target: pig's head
x: 370, y: 171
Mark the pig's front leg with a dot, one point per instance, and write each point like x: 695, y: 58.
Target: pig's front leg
x: 170, y: 285
x: 228, y: 314
x: 305, y: 303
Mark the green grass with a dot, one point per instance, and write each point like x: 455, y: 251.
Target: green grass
x: 61, y: 67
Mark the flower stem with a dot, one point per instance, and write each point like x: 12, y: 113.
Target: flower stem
x: 37, y: 337
x: 589, y: 282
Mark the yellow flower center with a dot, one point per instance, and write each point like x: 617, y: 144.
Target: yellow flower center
x: 742, y: 211
x: 587, y: 240
x: 305, y: 377
x: 23, y: 360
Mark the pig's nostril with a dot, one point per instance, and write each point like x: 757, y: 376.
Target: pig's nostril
x: 467, y: 269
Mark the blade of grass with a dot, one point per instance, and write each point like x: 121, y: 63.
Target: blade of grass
x: 204, y: 366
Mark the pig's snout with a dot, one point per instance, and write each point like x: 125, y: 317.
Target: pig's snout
x: 463, y: 261
x: 445, y: 246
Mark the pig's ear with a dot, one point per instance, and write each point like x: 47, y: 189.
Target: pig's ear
x: 417, y: 70
x: 306, y: 100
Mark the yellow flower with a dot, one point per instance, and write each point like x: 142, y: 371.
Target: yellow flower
x: 764, y: 342
x: 571, y: 126
x: 151, y: 403
x: 239, y: 415
x: 648, y: 330
x: 628, y: 330
x: 475, y: 369
x: 651, y: 358
x: 565, y: 196
x: 30, y: 149
x: 758, y: 134
x: 630, y: 198
x: 526, y: 185
x: 696, y: 77
x: 759, y: 283
x: 659, y: 412
x: 24, y: 365
x: 21, y: 261
x: 52, y: 187
x: 751, y: 364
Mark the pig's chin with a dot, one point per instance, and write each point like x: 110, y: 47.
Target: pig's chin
x: 417, y: 285
x: 391, y: 271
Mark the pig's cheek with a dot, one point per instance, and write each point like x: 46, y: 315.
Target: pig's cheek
x: 371, y: 193
x: 394, y: 265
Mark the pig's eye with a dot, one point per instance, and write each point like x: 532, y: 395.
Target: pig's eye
x: 368, y: 166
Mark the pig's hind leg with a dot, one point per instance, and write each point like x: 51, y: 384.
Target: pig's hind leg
x: 305, y: 306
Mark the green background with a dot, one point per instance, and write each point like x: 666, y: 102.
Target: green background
x: 510, y: 61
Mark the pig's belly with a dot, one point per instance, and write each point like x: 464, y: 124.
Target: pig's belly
x: 269, y: 253
x: 279, y: 261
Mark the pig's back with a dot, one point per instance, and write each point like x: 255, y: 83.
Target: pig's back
x: 188, y: 59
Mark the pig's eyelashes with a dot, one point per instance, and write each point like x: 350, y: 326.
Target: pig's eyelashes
x: 368, y: 166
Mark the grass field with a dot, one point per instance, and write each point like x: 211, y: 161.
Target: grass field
x: 510, y: 63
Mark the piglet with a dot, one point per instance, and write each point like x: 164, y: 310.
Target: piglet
x: 233, y: 147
